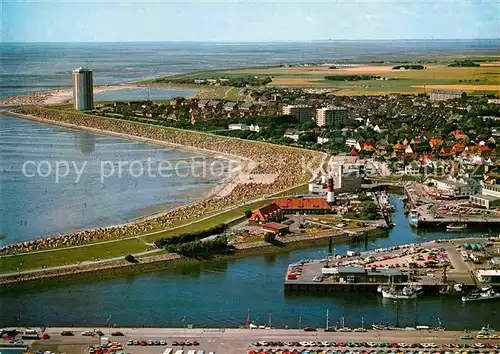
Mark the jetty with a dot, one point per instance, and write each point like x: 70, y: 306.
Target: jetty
x: 434, y: 266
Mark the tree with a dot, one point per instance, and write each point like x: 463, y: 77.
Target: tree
x: 130, y: 258
x: 248, y: 213
x: 269, y: 237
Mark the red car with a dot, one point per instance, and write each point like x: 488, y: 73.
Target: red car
x: 195, y: 342
x: 309, y: 329
x: 117, y: 333
x: 143, y: 343
x: 45, y: 336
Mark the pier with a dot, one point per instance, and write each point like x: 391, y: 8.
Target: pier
x: 435, y: 266
x: 436, y: 213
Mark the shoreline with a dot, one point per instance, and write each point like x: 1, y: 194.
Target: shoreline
x: 235, y: 172
x: 166, y: 260
x: 59, y: 95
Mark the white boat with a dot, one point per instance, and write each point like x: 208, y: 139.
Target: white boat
x: 406, y: 294
x: 485, y: 294
x: 413, y: 218
x: 456, y: 227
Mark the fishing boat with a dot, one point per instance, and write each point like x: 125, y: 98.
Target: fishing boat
x: 456, y: 227
x: 486, y: 293
x: 413, y: 218
x: 456, y: 289
x: 407, y: 293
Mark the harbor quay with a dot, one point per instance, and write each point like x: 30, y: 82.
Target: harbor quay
x: 235, y: 341
x: 448, y: 267
x: 441, y: 212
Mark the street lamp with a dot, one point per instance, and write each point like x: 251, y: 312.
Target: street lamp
x: 108, y: 321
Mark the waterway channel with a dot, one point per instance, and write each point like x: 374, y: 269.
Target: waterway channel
x: 218, y: 294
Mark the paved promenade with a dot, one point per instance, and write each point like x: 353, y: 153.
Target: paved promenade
x: 230, y: 341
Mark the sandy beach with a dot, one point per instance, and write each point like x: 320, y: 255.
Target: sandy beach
x: 58, y: 96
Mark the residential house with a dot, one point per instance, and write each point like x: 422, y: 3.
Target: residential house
x: 459, y: 135
x: 230, y: 106
x: 321, y: 140
x: 238, y: 126
x: 351, y: 142
x: 446, y: 152
x: 202, y: 103
x: 254, y: 128
x: 412, y: 169
x: 364, y: 146
x: 435, y: 143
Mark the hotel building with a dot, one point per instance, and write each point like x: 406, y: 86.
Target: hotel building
x: 83, y: 89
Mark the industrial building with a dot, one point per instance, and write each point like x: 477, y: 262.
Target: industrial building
x: 301, y: 111
x: 83, y: 89
x: 443, y: 95
x: 488, y: 198
x: 488, y: 275
x: 364, y: 275
x: 348, y: 177
x: 331, y: 116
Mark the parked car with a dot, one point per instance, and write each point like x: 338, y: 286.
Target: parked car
x: 45, y: 336
x: 117, y: 334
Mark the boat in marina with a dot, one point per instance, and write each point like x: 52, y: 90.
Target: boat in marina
x: 407, y: 293
x: 456, y: 227
x: 456, y: 289
x: 486, y: 293
x: 413, y: 218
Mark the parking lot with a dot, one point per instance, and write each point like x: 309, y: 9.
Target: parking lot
x: 232, y: 341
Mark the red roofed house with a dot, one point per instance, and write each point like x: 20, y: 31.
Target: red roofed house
x: 458, y: 148
x: 435, y: 143
x: 265, y: 214
x: 398, y: 147
x: 276, y: 228
x: 408, y: 151
x: 446, y: 152
x: 364, y: 145
x: 303, y: 205
x: 459, y: 135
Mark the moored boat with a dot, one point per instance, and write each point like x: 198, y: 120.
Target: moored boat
x: 407, y: 293
x: 485, y: 294
x: 456, y: 227
x: 413, y: 218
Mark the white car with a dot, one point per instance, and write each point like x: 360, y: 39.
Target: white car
x: 88, y: 333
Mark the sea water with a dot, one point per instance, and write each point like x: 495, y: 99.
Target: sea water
x: 34, y: 205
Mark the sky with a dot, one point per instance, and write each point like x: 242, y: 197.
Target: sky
x: 250, y: 20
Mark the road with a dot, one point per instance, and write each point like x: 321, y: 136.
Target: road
x: 231, y: 341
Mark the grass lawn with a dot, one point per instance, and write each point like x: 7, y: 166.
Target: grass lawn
x: 302, y: 189
x: 205, y: 224
x: 65, y: 256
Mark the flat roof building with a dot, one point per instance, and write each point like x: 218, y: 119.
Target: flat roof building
x: 331, y: 116
x: 83, y: 89
x: 300, y: 111
x: 443, y: 95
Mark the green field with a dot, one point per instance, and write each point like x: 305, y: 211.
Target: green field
x: 485, y: 78
x: 64, y: 256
